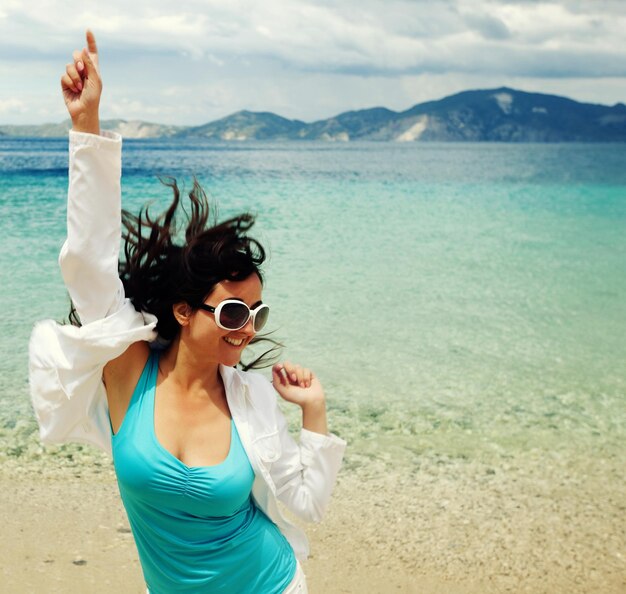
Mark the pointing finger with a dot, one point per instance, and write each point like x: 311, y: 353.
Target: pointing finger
x: 90, y: 68
x: 91, y: 43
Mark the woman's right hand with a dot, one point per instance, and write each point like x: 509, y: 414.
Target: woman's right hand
x: 82, y: 88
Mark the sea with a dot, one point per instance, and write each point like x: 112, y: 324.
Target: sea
x: 458, y: 301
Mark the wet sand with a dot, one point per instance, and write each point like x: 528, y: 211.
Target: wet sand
x: 446, y: 526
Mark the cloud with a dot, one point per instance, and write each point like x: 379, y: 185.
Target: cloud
x: 395, y: 35
x: 488, y: 26
x: 243, y: 46
x: 12, y: 105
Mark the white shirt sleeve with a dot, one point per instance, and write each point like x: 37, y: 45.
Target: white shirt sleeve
x: 66, y: 362
x: 89, y: 256
x: 306, y: 472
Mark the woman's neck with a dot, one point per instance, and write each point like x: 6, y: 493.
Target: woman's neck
x: 191, y: 373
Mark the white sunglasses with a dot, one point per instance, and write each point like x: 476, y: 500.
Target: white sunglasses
x: 232, y: 314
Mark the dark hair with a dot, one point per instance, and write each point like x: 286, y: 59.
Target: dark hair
x: 162, y: 266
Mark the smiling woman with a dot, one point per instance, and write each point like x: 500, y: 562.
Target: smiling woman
x: 201, y: 450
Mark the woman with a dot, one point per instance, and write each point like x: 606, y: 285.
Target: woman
x: 201, y: 450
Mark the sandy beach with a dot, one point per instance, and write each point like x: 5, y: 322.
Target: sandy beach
x: 536, y: 526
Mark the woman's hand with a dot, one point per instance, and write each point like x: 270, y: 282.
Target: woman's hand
x: 82, y: 88
x: 298, y: 385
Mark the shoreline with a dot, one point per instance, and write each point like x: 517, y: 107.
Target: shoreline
x: 450, y: 526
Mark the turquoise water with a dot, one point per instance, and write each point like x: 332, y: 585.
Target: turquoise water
x: 462, y: 299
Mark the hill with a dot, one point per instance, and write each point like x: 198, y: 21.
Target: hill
x: 128, y: 129
x: 493, y: 115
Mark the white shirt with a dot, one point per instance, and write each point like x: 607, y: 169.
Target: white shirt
x: 66, y: 362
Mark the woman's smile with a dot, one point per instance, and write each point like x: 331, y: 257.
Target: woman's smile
x: 236, y: 342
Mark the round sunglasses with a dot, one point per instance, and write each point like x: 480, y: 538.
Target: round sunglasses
x: 232, y: 314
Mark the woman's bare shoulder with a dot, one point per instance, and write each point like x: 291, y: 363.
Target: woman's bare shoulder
x: 132, y: 359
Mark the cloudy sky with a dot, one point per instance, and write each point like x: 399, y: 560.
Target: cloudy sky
x: 193, y: 61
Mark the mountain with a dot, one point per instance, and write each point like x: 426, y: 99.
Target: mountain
x: 138, y: 129
x: 493, y: 115
x: 507, y: 115
x: 365, y: 124
x: 37, y: 131
x: 246, y: 125
x: 128, y: 129
x: 503, y: 115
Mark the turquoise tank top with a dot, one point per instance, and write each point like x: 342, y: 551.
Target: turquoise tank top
x: 197, y: 529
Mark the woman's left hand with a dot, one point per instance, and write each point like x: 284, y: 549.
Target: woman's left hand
x: 297, y: 384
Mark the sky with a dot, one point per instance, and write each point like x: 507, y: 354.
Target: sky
x: 194, y: 61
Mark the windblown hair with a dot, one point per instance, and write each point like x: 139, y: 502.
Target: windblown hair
x: 160, y: 268
x: 181, y: 254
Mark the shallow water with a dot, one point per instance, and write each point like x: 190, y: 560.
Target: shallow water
x: 457, y: 300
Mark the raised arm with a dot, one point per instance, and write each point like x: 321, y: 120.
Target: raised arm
x: 65, y: 362
x: 89, y: 257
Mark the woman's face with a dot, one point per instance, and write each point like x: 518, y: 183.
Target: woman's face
x: 206, y: 337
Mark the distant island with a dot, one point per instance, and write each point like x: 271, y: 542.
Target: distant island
x: 493, y: 115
